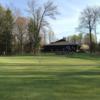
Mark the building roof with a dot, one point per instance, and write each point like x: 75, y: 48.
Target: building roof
x: 61, y: 42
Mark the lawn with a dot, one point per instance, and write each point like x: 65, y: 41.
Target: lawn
x: 75, y: 77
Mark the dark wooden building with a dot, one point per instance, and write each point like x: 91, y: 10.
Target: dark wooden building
x: 61, y: 46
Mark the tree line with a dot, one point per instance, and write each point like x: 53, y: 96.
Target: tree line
x: 84, y: 39
x: 19, y: 34
x: 89, y: 21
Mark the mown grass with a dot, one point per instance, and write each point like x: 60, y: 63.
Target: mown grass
x: 75, y: 77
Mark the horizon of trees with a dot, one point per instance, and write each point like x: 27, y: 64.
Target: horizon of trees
x: 89, y: 20
x: 19, y: 34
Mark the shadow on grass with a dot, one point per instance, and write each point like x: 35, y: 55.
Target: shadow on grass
x: 40, y: 74
x: 48, y: 65
x: 63, y: 84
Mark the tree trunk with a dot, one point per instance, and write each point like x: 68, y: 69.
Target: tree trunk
x: 21, y: 46
x: 90, y: 40
x: 6, y: 48
x: 96, y: 39
x: 22, y: 49
x: 36, y: 50
x: 96, y: 34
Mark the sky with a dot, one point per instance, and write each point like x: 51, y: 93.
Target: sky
x: 68, y: 20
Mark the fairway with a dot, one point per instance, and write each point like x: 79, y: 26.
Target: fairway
x: 50, y: 78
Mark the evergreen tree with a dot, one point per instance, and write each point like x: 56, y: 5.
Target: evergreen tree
x: 6, y: 26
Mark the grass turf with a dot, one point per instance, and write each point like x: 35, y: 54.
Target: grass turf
x: 75, y: 77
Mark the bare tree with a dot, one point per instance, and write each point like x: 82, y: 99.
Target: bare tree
x: 40, y: 15
x: 88, y: 21
x: 21, y: 31
x: 96, y: 12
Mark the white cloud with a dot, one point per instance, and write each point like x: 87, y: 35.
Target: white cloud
x: 70, y: 10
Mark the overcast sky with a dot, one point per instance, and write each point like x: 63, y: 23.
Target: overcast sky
x: 67, y: 21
